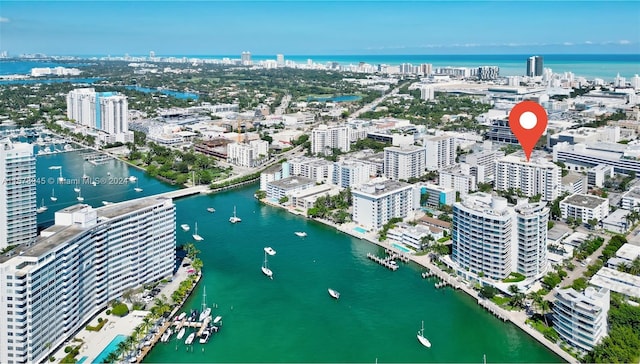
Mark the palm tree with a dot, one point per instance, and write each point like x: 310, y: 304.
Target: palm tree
x: 112, y: 357
x: 122, y: 348
x: 545, y: 306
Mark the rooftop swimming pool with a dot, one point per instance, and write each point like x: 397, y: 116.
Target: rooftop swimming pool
x: 401, y: 248
x: 81, y: 360
x: 113, y: 345
x: 360, y: 230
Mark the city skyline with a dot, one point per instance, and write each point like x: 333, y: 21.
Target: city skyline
x: 318, y: 27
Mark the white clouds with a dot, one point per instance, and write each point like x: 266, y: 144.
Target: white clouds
x: 567, y: 44
x: 4, y: 20
x: 624, y: 41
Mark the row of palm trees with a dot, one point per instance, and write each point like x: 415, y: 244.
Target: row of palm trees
x: 161, y: 306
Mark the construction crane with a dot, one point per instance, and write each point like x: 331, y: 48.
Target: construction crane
x: 238, y: 120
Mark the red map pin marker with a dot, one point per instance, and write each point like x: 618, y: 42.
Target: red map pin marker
x: 528, y: 120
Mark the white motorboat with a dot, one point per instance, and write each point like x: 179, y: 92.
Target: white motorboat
x: 195, y: 236
x: 106, y: 203
x: 211, y: 209
x: 53, y: 195
x: 166, y: 336
x: 234, y: 219
x: 333, y: 293
x: 42, y: 208
x: 423, y: 340
x: 205, y: 336
x: 79, y: 198
x: 182, y: 316
x: 301, y: 234
x: 185, y: 227
x: 76, y: 188
x: 204, y: 314
x: 269, y: 250
x: 190, y: 338
x: 181, y: 333
x: 217, y: 320
x: 133, y: 178
x: 137, y: 188
x: 265, y: 269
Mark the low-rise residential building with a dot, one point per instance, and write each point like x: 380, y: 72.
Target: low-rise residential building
x: 574, y: 182
x: 624, y: 256
x: 584, y: 207
x: 621, y: 282
x: 581, y: 318
x: 435, y: 195
x: 286, y: 186
x: 304, y: 199
x: 631, y: 199
x: 273, y: 173
x: 432, y: 222
x: 616, y: 221
x: 412, y: 235
x: 375, y: 203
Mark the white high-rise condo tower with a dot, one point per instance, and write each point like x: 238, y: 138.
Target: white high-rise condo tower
x: 18, y: 222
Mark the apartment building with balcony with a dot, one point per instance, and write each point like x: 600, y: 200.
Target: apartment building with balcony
x: 535, y: 177
x: 584, y: 207
x: 492, y: 239
x: 404, y: 162
x: 17, y: 193
x: 51, y: 288
x: 375, y: 203
x: 581, y: 318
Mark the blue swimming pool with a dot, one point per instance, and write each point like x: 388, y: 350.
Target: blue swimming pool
x: 81, y: 360
x: 113, y: 345
x: 401, y: 248
x: 360, y: 230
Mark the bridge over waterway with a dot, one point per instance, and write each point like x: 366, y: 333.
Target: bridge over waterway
x: 184, y: 192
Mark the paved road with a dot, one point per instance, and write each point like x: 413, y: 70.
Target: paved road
x: 374, y: 103
x: 577, y: 271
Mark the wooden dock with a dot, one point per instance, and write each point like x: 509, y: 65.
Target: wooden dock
x: 385, y: 262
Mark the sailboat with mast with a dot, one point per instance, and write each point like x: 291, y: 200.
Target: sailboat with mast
x: 265, y: 267
x: 234, y: 219
x: 423, y: 340
x: 79, y: 198
x: 206, y: 311
x: 53, y: 195
x: 197, y: 237
x: 137, y: 188
x: 42, y: 208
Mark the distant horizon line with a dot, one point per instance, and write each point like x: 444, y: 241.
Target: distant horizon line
x: 326, y: 54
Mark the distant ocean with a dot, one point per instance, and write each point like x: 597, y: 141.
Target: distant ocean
x: 605, y: 66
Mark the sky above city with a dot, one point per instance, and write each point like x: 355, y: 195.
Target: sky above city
x: 318, y: 27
